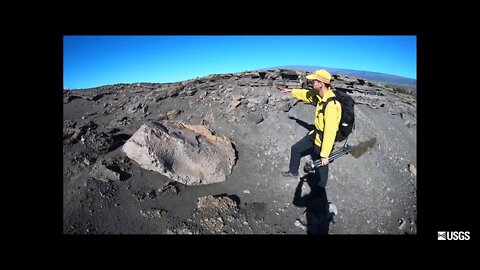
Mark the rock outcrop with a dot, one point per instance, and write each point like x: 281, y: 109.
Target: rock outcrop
x: 189, y: 154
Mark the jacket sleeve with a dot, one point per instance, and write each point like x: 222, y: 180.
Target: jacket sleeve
x: 332, y: 120
x: 305, y: 95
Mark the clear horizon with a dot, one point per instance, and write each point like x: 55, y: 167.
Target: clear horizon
x: 92, y: 61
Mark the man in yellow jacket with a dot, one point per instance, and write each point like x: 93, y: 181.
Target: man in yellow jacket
x: 319, y: 141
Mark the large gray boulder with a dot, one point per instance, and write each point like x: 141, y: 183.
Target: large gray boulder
x: 189, y: 154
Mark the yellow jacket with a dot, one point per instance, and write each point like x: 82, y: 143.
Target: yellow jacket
x: 327, y: 123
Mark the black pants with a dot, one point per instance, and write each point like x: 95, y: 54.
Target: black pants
x: 302, y: 148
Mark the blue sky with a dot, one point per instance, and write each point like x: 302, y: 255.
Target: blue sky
x: 90, y: 61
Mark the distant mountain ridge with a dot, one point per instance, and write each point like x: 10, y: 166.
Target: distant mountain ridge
x: 368, y: 75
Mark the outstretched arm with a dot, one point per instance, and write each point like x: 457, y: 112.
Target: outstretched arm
x: 302, y: 94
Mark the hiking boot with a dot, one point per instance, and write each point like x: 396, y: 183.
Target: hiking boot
x: 289, y: 174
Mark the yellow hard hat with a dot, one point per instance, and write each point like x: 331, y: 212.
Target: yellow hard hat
x: 320, y: 75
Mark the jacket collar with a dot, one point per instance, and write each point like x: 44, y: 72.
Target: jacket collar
x: 328, y: 94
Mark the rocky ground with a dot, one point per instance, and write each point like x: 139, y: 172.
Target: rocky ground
x: 106, y: 192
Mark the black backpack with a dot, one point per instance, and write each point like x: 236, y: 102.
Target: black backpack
x: 347, y: 121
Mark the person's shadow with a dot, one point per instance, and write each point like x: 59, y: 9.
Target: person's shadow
x: 302, y: 123
x: 317, y: 216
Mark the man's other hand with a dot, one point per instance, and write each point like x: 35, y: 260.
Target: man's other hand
x: 286, y: 90
x: 324, y: 161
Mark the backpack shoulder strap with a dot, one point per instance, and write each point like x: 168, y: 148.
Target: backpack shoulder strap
x: 319, y: 132
x: 326, y: 102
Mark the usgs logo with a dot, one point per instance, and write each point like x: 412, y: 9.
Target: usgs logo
x: 454, y: 235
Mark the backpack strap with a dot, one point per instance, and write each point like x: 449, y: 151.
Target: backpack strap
x: 324, y: 106
x: 326, y: 102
